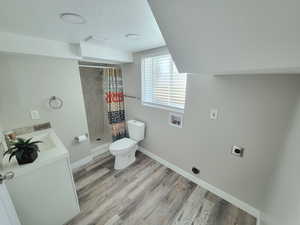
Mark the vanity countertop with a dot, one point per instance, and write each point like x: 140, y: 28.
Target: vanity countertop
x: 51, y: 150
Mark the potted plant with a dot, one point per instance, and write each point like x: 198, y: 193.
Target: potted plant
x: 25, y: 151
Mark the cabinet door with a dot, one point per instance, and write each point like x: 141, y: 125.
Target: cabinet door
x: 8, y: 215
x: 47, y: 196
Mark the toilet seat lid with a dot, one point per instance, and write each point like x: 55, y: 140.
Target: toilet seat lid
x: 122, y: 144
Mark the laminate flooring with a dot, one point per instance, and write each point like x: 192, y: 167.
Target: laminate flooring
x: 147, y: 193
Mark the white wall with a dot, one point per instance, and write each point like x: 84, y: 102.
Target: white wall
x: 1, y: 145
x: 22, y: 44
x: 27, y: 82
x: 283, y: 204
x: 230, y: 36
x: 15, y: 43
x: 97, y: 52
x: 254, y: 112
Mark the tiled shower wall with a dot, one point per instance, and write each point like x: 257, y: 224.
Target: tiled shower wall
x: 92, y: 88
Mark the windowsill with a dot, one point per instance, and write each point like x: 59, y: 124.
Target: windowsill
x: 170, y: 109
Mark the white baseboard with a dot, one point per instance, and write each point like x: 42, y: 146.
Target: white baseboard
x: 233, y: 200
x: 94, y: 152
x: 100, y: 149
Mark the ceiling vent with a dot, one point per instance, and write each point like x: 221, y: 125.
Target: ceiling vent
x: 72, y: 18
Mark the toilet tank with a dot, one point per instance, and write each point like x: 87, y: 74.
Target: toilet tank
x: 136, y: 130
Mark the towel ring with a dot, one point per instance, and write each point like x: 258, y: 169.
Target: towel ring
x: 55, y: 102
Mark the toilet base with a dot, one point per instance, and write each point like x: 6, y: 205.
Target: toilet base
x: 124, y: 160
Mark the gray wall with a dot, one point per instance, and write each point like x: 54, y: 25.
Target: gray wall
x: 27, y: 82
x: 254, y: 112
x: 92, y: 88
x: 283, y: 205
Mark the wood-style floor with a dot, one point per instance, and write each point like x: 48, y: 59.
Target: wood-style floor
x: 147, y: 193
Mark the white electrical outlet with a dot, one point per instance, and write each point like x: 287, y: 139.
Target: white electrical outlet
x: 213, y: 114
x: 35, y: 115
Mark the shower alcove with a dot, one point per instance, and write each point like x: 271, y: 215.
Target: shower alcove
x: 91, y: 75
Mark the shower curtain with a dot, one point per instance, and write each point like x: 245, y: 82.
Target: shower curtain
x: 114, y: 97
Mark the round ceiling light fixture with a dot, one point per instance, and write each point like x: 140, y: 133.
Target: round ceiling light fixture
x: 132, y: 36
x: 72, y: 18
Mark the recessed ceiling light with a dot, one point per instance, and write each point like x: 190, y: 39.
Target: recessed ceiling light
x: 72, y: 18
x: 132, y: 36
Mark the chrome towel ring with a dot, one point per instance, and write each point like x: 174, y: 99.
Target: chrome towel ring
x: 55, y: 102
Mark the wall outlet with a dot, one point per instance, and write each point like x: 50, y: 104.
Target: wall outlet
x: 35, y: 115
x: 237, y: 151
x: 175, y: 120
x: 195, y: 170
x: 213, y: 114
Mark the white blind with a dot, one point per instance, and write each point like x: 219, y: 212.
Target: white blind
x: 161, y: 82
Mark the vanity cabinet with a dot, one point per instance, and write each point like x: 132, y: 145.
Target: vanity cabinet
x: 44, y: 192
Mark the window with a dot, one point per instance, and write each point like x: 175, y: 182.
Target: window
x: 162, y: 85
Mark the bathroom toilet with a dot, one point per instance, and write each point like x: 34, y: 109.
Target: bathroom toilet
x: 125, y: 148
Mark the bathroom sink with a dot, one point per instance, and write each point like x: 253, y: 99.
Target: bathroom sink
x: 44, y: 187
x: 51, y: 149
x: 47, y: 141
x: 45, y: 138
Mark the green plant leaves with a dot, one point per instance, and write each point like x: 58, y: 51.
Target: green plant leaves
x: 12, y: 155
x: 28, y: 140
x: 35, y: 142
x: 22, y: 146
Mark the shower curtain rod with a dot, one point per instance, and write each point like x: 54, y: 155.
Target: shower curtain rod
x: 100, y: 67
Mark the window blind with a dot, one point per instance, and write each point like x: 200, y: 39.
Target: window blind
x: 162, y: 85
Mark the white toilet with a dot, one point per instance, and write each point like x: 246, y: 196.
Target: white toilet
x: 125, y: 148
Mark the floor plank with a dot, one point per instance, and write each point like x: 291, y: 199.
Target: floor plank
x: 147, y: 193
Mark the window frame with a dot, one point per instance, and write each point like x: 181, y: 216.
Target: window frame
x: 153, y: 105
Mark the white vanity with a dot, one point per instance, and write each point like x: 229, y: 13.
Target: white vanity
x: 44, y: 192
